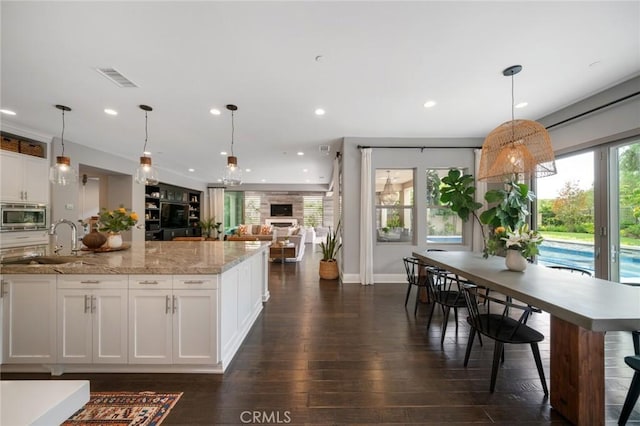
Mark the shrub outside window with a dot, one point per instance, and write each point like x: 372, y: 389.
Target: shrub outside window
x: 443, y: 225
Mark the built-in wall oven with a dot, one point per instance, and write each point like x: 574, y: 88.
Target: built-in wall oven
x: 22, y: 217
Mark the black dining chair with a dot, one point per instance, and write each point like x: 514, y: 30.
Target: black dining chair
x: 416, y: 277
x: 445, y: 291
x: 571, y: 269
x: 496, y: 320
x: 634, y: 388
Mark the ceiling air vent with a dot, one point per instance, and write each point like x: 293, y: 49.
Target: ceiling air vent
x: 115, y: 76
x: 324, y: 149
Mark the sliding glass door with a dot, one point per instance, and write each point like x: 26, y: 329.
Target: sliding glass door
x: 624, y: 255
x: 589, y: 213
x: 565, y: 213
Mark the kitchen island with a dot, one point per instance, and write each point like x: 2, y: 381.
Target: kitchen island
x: 155, y: 307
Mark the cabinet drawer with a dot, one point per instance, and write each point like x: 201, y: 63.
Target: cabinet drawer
x: 149, y: 282
x: 194, y: 282
x: 92, y: 281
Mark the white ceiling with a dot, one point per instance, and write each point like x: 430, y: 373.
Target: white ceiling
x: 380, y: 62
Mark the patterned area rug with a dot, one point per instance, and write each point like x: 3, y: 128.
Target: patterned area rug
x: 124, y: 409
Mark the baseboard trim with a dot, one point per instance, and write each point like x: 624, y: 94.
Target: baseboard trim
x: 377, y: 278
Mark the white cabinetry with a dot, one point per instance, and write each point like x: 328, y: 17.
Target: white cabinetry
x: 172, y: 320
x: 23, y: 178
x: 92, y: 319
x: 29, y: 319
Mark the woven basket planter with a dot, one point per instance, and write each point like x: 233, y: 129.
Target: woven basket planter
x: 329, y: 270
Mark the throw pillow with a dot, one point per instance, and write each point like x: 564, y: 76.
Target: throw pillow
x: 265, y: 230
x: 244, y: 230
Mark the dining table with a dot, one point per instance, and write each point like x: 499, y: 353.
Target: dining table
x: 581, y: 309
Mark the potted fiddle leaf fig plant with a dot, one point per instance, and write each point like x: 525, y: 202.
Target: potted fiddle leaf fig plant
x: 330, y: 248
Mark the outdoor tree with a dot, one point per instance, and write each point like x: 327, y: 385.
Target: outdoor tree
x: 571, y: 207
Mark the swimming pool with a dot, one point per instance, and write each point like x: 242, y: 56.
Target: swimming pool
x: 580, y: 255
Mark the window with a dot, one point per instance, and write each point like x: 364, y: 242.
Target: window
x: 252, y: 209
x: 313, y: 210
x: 394, y: 205
x: 443, y: 225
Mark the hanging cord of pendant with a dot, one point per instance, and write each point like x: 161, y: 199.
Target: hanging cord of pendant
x: 146, y: 134
x: 62, y: 136
x: 232, y: 132
x: 513, y: 124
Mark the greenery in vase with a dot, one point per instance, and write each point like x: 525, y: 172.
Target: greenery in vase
x: 523, y: 239
x: 511, y: 206
x: 117, y: 220
x: 330, y: 247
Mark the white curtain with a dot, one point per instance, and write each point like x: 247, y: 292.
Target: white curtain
x: 216, y: 204
x: 481, y: 189
x: 366, y: 223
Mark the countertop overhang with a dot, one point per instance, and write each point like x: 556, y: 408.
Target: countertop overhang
x: 153, y: 257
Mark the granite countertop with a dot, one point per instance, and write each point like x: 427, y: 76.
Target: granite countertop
x: 153, y: 257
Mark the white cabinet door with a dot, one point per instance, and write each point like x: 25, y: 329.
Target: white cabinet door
x: 74, y: 326
x: 29, y: 309
x: 24, y: 178
x: 36, y: 179
x: 150, y: 326
x: 109, y: 314
x: 11, y: 175
x: 194, y: 327
x: 92, y: 319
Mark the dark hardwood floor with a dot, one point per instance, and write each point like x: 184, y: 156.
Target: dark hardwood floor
x: 327, y: 353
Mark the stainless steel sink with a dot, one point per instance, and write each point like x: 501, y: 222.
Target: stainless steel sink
x: 41, y: 260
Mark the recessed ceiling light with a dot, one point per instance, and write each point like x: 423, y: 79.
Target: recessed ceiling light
x: 522, y: 104
x: 214, y: 111
x: 223, y: 152
x: 305, y: 170
x: 300, y: 153
x: 7, y: 111
x: 247, y: 170
x: 319, y: 111
x: 192, y: 170
x: 429, y: 104
x: 263, y: 180
x: 110, y: 111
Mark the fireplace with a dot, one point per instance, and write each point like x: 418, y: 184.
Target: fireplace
x: 281, y: 223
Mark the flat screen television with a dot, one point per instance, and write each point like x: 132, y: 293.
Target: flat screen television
x: 174, y: 215
x: 281, y: 210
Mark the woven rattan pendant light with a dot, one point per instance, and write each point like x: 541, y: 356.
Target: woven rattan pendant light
x: 517, y: 149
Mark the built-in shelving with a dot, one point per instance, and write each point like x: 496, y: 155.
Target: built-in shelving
x: 181, y: 210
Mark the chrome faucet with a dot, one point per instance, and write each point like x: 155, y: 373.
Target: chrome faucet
x: 74, y: 234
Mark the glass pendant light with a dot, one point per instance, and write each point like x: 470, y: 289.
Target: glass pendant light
x: 233, y: 174
x: 146, y: 173
x: 62, y: 173
x: 389, y: 196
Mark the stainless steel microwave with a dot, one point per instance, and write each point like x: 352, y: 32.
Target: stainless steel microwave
x: 23, y: 217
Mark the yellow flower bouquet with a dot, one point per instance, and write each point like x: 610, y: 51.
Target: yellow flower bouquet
x: 116, y: 220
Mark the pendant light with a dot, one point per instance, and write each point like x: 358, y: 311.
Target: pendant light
x: 146, y: 173
x: 62, y: 173
x: 389, y: 196
x: 233, y: 174
x: 517, y: 149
